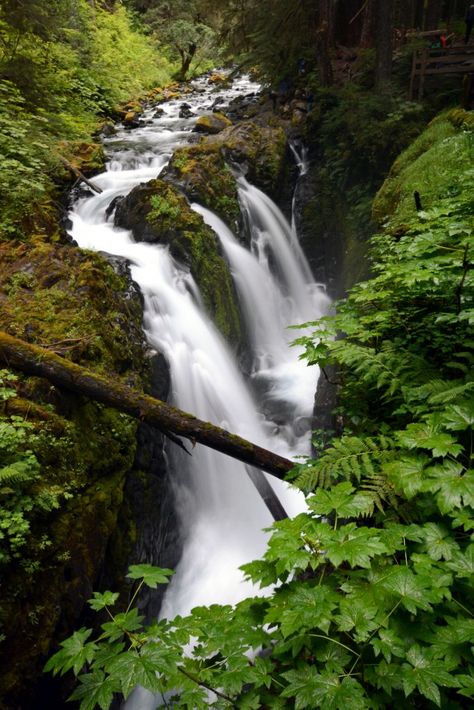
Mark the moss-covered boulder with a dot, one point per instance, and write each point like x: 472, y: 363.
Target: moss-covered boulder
x: 434, y: 166
x: 212, y: 123
x: 201, y: 172
x: 158, y: 213
x: 260, y: 150
x: 76, y: 453
x: 59, y: 296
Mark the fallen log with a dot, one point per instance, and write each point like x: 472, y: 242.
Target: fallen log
x: 79, y: 175
x: 38, y: 361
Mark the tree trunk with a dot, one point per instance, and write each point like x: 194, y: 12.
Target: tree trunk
x: 327, y: 16
x: 186, y: 59
x: 406, y: 17
x: 79, y: 175
x: 384, y: 50
x: 433, y: 14
x: 368, y: 25
x: 33, y: 360
x: 322, y: 41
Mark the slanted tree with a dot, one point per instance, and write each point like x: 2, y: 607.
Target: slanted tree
x: 183, y: 26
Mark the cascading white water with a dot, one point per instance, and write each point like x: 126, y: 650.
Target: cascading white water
x: 221, y: 512
x: 268, y: 308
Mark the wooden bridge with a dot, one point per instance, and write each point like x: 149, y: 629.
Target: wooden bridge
x: 454, y: 60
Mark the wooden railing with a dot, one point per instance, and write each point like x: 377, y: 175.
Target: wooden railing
x: 457, y: 59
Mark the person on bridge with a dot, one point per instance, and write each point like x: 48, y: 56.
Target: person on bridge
x: 469, y: 23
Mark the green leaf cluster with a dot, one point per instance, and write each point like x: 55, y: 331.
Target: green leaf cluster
x: 24, y: 496
x: 62, y: 64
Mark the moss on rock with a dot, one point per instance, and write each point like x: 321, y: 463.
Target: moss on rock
x: 212, y: 123
x: 74, y: 303
x: 89, y: 158
x: 261, y: 150
x: 157, y: 212
x: 204, y: 176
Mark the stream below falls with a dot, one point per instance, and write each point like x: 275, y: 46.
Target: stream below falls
x: 220, y: 511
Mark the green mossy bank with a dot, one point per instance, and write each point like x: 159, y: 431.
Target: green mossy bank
x: 437, y: 165
x: 60, y: 504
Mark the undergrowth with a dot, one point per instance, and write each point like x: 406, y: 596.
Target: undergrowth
x: 64, y: 66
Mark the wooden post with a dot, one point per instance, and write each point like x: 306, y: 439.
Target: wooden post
x: 412, y: 77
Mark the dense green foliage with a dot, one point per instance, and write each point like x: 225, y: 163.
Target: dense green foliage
x: 373, y: 584
x: 62, y: 65
x: 186, y: 29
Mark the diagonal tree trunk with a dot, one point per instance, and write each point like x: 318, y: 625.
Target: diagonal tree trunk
x: 34, y: 360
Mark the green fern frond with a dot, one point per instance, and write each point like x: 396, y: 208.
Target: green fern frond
x: 386, y: 369
x: 350, y: 458
x: 19, y: 472
x: 312, y: 477
x: 378, y: 485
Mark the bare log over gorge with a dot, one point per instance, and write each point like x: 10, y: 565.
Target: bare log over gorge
x: 34, y: 360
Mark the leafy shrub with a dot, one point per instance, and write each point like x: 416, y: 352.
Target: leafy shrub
x: 57, y: 80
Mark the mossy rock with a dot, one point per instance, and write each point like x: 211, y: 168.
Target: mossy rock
x: 261, y: 150
x: 434, y: 165
x: 59, y: 297
x: 212, y: 123
x: 204, y: 176
x: 157, y: 212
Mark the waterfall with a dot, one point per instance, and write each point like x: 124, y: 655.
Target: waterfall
x: 268, y: 308
x: 220, y: 511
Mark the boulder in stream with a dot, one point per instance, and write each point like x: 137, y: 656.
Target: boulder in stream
x: 156, y: 212
x: 212, y: 123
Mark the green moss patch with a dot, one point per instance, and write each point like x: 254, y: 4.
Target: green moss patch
x: 261, y: 148
x: 436, y: 166
x: 158, y: 212
x: 70, y: 301
x: 205, y: 177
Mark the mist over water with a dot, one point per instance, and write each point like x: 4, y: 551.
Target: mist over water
x: 221, y: 513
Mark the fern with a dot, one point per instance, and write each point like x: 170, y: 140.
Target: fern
x: 312, y: 476
x: 381, y: 490
x: 387, y: 369
x: 20, y: 472
x: 350, y: 458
